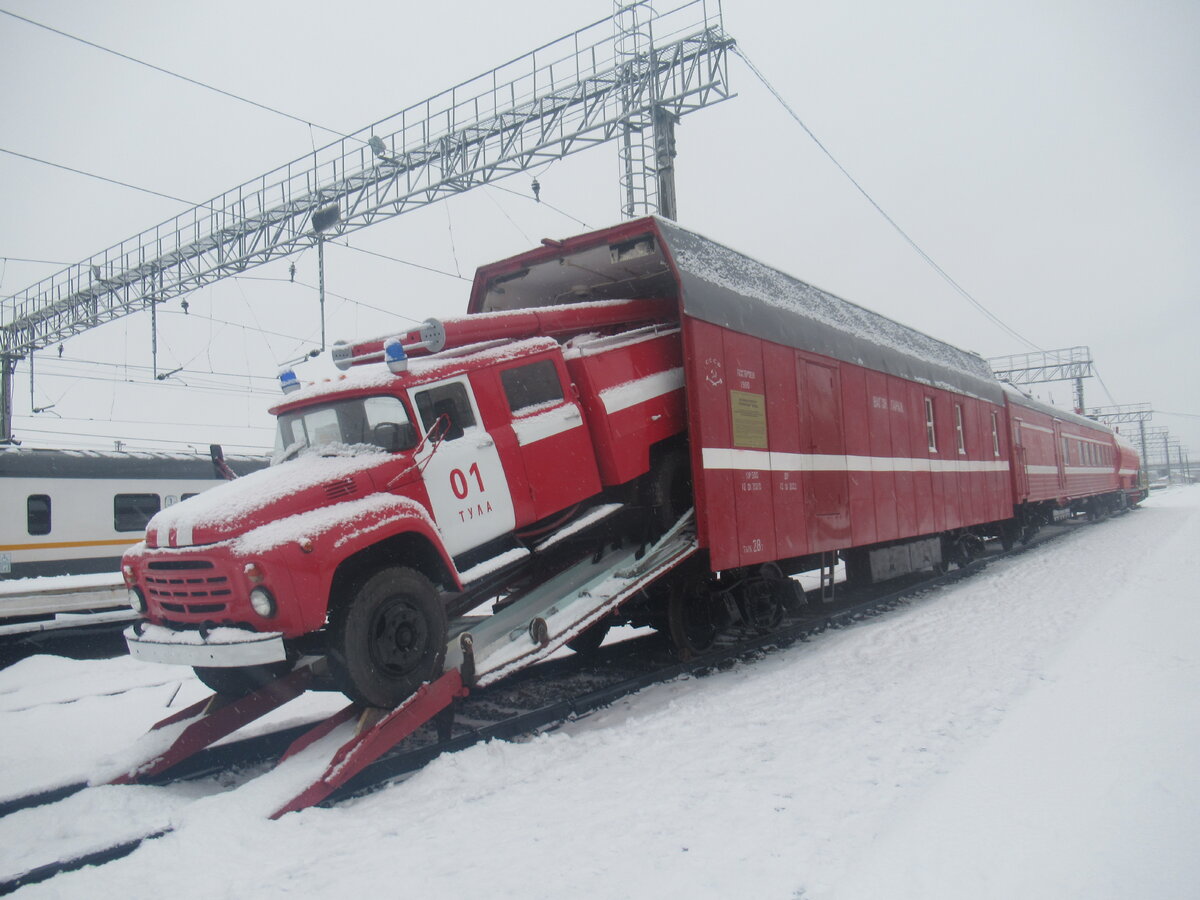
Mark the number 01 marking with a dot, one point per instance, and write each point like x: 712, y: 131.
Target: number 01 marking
x: 458, y: 481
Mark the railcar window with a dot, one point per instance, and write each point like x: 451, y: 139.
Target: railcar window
x: 450, y: 400
x: 532, y: 385
x: 1066, y: 452
x: 37, y: 513
x: 930, y: 434
x: 996, y: 434
x: 958, y: 429
x: 183, y: 497
x: 132, y: 512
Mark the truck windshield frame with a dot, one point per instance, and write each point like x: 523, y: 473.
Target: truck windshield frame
x: 379, y: 421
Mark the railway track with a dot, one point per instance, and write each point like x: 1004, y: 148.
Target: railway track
x: 528, y: 702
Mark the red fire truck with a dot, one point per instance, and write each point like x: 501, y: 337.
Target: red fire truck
x: 598, y: 390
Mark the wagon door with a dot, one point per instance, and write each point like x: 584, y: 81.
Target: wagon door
x: 827, y: 489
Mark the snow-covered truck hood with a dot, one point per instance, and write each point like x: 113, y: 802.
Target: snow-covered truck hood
x: 232, y: 509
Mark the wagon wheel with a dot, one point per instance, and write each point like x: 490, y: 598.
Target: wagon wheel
x: 695, y: 616
x: 238, y: 681
x: 762, y: 603
x: 389, y: 639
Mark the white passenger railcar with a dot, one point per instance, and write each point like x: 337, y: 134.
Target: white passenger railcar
x: 72, y: 512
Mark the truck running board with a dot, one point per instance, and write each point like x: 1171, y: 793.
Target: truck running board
x: 545, y: 617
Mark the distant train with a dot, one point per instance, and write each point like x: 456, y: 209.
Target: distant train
x: 74, y: 512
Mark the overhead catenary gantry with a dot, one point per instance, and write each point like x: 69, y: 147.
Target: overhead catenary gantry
x: 609, y: 80
x: 1124, y: 414
x: 1069, y: 364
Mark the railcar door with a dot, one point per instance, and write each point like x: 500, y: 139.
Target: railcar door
x: 1062, y: 453
x: 827, y: 490
x: 463, y: 476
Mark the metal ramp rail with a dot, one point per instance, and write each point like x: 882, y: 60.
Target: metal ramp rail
x: 481, y: 651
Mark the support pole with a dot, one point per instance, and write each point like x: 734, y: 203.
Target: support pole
x: 1145, y: 457
x: 8, y: 365
x: 664, y: 152
x: 321, y: 283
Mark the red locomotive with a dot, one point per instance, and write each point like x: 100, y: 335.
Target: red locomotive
x: 640, y: 368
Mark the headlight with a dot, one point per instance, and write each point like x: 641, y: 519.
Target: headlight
x: 263, y: 602
x: 137, y: 602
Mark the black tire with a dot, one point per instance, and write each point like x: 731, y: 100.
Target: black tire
x: 590, y: 639
x: 241, y: 680
x: 389, y: 639
x: 694, y: 617
x: 668, y: 489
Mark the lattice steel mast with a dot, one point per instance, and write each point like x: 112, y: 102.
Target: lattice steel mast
x: 563, y: 97
x: 1070, y: 364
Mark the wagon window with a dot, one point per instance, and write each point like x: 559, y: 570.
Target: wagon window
x: 132, y: 512
x: 958, y: 429
x: 996, y: 435
x: 1066, y: 452
x: 929, y: 431
x: 536, y: 384
x: 37, y: 513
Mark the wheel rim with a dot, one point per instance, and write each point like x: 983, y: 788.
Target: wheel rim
x: 399, y: 636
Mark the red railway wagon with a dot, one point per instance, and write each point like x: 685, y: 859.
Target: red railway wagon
x: 814, y: 425
x: 1065, y: 461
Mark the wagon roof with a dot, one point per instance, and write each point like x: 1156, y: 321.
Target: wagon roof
x: 1017, y: 398
x: 655, y: 257
x: 23, y: 462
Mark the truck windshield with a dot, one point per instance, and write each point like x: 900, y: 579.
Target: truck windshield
x: 367, y: 423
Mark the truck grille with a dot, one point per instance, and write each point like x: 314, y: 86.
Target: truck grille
x: 187, y: 586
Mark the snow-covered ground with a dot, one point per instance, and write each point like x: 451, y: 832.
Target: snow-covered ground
x: 1031, y: 732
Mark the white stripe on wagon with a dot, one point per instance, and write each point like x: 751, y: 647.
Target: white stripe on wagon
x: 1042, y: 470
x: 767, y: 461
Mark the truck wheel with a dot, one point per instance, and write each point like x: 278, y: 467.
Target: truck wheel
x: 590, y: 639
x: 389, y: 639
x: 240, y: 680
x: 668, y: 492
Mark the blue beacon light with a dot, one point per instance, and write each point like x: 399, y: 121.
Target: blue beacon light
x: 395, y: 357
x: 288, y: 381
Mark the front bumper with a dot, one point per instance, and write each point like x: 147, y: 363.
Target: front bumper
x: 216, y: 647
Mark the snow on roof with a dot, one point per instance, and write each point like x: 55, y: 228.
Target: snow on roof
x: 734, y: 290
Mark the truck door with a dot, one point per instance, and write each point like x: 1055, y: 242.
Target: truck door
x: 554, y: 443
x: 464, y: 478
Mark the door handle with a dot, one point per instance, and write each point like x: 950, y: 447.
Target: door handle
x: 485, y: 442
x: 573, y: 414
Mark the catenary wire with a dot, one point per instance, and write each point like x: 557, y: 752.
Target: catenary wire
x: 160, y: 69
x: 963, y: 292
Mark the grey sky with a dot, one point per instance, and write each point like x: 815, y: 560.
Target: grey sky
x: 1043, y: 153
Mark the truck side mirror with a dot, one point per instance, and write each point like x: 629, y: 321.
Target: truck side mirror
x: 393, y: 436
